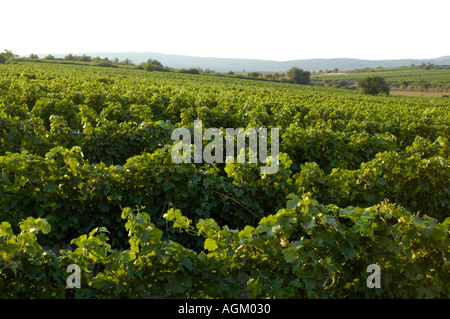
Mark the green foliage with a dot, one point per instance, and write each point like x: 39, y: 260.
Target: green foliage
x: 153, y: 65
x: 298, y: 76
x: 373, y: 85
x: 434, y: 78
x: 190, y: 70
x: 6, y: 56
x: 308, y: 250
x: 362, y: 180
x: 418, y: 179
x: 26, y: 269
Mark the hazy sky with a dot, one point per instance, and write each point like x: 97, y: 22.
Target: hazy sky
x: 276, y: 30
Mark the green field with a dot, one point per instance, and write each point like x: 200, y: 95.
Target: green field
x: 414, y: 78
x: 85, y: 163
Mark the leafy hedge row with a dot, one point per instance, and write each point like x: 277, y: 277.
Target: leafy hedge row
x: 306, y: 250
x: 122, y: 114
x: 417, y: 178
x: 75, y: 196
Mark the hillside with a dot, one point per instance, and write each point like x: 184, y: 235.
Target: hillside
x: 237, y: 65
x: 419, y: 78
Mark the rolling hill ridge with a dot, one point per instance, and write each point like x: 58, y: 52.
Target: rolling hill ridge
x: 238, y: 65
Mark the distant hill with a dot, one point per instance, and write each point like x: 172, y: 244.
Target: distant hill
x: 238, y: 65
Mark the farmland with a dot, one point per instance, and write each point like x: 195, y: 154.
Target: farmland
x: 412, y: 79
x: 85, y: 163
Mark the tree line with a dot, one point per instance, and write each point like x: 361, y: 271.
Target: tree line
x: 293, y: 75
x: 8, y: 55
x: 369, y: 85
x: 85, y: 58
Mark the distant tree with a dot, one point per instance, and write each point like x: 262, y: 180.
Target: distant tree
x: 69, y: 57
x: 298, y: 76
x: 127, y: 61
x: 97, y: 59
x: 254, y: 74
x: 2, y: 59
x: 33, y: 56
x: 153, y: 65
x: 49, y: 57
x: 373, y: 85
x: 84, y: 58
x: 105, y: 62
x: 8, y: 55
x: 190, y: 71
x: 156, y: 62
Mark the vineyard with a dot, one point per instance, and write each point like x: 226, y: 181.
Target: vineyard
x: 87, y: 178
x: 412, y: 78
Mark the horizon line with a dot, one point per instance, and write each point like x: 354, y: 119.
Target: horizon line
x: 229, y: 58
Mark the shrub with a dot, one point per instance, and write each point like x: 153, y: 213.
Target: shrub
x: 373, y: 85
